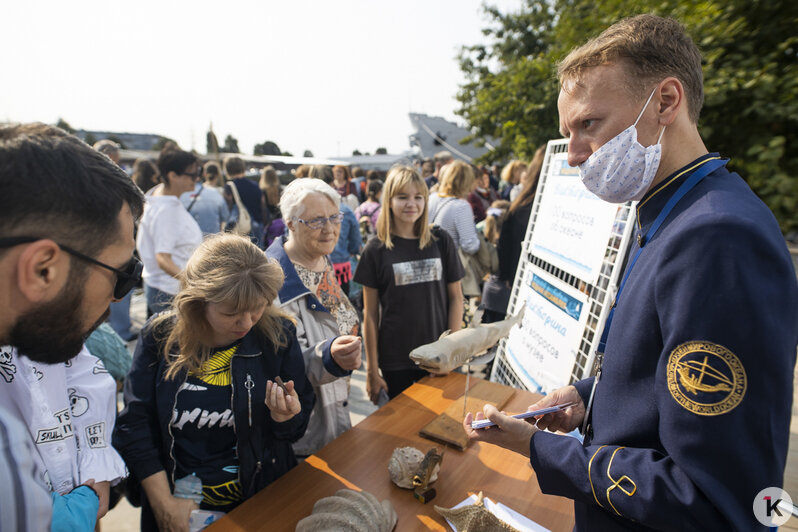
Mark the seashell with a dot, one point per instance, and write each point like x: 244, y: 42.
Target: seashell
x: 404, y: 464
x: 350, y: 511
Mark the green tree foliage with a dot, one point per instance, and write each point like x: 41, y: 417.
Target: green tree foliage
x: 230, y: 145
x: 90, y: 139
x: 750, y: 50
x: 211, y: 143
x: 307, y: 153
x: 266, y: 148
x: 63, y: 124
x: 381, y: 151
x: 356, y: 153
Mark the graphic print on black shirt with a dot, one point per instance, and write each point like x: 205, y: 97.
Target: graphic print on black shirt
x: 202, y: 426
x: 411, y: 284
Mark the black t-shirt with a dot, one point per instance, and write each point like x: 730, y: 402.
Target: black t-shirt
x: 411, y: 284
x: 202, y: 426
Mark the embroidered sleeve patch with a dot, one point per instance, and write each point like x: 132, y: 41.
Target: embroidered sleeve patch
x: 706, y: 378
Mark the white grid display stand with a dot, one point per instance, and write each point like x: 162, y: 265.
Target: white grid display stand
x: 600, y: 295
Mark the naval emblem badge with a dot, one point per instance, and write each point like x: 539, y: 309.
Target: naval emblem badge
x: 706, y: 378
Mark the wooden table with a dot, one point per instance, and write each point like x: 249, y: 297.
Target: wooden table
x: 358, y: 460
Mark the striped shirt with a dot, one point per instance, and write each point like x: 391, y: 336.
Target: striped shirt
x: 455, y: 216
x: 24, y: 503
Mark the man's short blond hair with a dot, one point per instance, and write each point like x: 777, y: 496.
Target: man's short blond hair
x: 651, y: 48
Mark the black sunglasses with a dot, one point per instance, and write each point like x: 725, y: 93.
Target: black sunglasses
x: 126, y: 278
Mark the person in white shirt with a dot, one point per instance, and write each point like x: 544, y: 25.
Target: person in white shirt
x: 168, y: 234
x: 66, y: 253
x: 69, y: 410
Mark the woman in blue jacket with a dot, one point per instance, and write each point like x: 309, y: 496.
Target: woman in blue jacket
x: 205, y: 425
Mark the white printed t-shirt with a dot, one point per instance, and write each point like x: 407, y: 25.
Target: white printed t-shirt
x: 166, y: 227
x: 70, y: 411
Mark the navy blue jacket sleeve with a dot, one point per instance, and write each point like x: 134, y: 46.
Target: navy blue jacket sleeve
x: 137, y: 436
x: 725, y: 287
x: 292, y: 367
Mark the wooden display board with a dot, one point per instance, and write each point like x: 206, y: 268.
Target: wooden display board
x: 448, y: 427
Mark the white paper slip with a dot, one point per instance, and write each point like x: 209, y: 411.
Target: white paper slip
x: 482, y: 423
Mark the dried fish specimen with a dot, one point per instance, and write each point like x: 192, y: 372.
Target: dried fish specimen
x: 455, y: 349
x: 475, y: 518
x: 350, y: 511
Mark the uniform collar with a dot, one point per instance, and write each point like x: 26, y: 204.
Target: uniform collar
x: 655, y: 199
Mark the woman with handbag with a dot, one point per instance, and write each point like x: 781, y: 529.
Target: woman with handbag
x: 167, y: 234
x: 450, y: 210
x: 411, y: 285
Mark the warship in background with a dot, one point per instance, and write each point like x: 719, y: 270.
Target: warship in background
x: 434, y: 134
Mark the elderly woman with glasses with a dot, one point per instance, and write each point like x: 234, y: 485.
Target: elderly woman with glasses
x: 168, y: 234
x: 327, y: 324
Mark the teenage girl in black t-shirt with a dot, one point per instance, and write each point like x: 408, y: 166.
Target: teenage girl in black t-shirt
x: 411, y: 285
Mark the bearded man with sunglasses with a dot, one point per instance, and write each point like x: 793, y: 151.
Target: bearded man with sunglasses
x: 66, y: 252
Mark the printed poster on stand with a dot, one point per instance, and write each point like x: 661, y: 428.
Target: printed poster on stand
x: 543, y: 347
x: 572, y: 224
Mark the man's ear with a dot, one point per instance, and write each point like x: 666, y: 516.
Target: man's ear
x: 42, y: 270
x: 671, y: 100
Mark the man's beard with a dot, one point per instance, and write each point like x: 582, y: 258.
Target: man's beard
x: 53, y: 332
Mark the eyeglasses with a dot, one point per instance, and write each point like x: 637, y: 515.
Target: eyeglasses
x: 194, y: 176
x: 320, y: 222
x: 126, y: 278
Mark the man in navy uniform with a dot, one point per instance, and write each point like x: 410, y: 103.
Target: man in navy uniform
x: 690, y: 417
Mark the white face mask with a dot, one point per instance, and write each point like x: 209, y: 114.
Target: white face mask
x: 622, y: 169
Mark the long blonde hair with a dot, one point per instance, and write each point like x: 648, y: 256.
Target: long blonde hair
x: 399, y: 178
x: 228, y: 269
x: 509, y: 170
x: 270, y: 185
x: 456, y: 180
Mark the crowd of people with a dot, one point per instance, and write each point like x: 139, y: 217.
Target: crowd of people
x: 262, y: 299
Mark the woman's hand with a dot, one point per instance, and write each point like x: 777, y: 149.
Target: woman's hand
x: 103, y: 491
x: 375, y: 383
x: 345, y: 351
x: 282, y: 406
x: 173, y: 513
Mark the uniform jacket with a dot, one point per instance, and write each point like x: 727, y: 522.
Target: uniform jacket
x: 316, y: 330
x: 142, y: 433
x: 691, y: 415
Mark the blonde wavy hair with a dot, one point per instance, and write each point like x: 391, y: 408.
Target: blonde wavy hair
x: 227, y: 269
x: 509, y: 170
x: 457, y: 180
x: 398, y: 179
